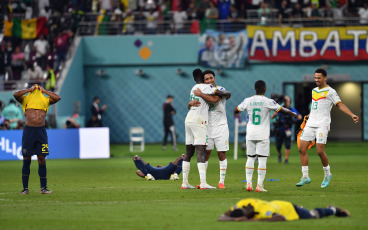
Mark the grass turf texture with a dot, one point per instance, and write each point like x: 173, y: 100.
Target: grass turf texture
x: 105, y: 194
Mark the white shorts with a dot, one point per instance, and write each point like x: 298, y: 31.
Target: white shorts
x: 195, y: 134
x: 260, y: 147
x: 311, y: 133
x: 219, y: 136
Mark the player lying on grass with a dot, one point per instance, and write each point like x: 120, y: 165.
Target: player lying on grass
x: 260, y: 210
x: 170, y: 171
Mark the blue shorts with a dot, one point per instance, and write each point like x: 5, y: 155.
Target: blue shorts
x: 281, y: 137
x: 34, y: 141
x: 162, y: 173
x: 303, y: 213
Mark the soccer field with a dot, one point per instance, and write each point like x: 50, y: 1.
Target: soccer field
x: 107, y: 194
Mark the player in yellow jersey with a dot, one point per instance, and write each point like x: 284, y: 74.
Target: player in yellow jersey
x: 251, y: 209
x: 318, y: 125
x: 34, y: 140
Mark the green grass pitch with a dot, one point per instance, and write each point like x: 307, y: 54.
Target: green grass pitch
x: 107, y: 194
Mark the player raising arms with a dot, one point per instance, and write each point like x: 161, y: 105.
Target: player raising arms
x: 196, y: 134
x: 218, y: 129
x: 34, y: 140
x: 318, y: 125
x: 258, y: 132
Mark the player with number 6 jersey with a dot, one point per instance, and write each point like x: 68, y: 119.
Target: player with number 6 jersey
x: 258, y: 132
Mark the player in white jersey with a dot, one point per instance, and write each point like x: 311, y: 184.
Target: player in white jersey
x: 196, y: 134
x: 218, y: 130
x: 258, y: 132
x: 318, y: 125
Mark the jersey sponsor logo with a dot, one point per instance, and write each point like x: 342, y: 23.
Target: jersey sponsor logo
x: 268, y: 213
x: 319, y: 95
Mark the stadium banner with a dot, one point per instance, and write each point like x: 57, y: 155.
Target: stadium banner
x: 63, y: 144
x: 287, y: 44
x: 223, y: 50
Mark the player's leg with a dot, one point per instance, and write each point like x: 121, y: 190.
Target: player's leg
x: 308, y: 135
x: 201, y: 162
x: 178, y: 163
x: 140, y: 164
x: 42, y: 172
x: 210, y: 146
x: 223, y: 168
x: 320, y: 144
x: 249, y: 166
x: 222, y: 145
x: 26, y: 169
x: 262, y: 151
x: 189, y: 152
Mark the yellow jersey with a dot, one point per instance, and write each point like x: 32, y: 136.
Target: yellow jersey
x: 36, y: 100
x: 265, y: 209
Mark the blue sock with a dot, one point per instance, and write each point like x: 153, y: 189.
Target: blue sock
x: 25, y: 173
x: 179, y: 167
x: 139, y: 164
x: 42, y: 174
x: 323, y: 212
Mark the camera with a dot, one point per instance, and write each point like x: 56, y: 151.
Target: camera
x: 279, y: 98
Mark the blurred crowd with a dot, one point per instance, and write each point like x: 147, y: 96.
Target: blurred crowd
x: 11, y: 116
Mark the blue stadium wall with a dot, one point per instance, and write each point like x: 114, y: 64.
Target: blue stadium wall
x: 137, y: 100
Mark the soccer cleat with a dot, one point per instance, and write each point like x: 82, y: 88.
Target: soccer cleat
x: 286, y: 161
x: 186, y: 186
x: 249, y: 187
x: 303, y: 181
x: 174, y: 176
x: 175, y: 148
x: 339, y: 212
x: 45, y: 191
x: 24, y: 192
x: 163, y: 147
x: 260, y: 189
x: 221, y: 186
x: 206, y: 186
x: 150, y: 177
x: 326, y: 181
x: 279, y: 158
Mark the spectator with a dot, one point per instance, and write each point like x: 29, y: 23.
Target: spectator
x: 203, y: 5
x: 283, y: 13
x: 235, y: 18
x: 8, y: 51
x: 313, y: 13
x: 96, y: 110
x: 128, y: 27
x: 263, y: 13
x: 5, y: 125
x: 140, y: 21
x: 45, y: 12
x: 61, y: 43
x: 363, y: 13
x: 17, y: 63
x: 337, y: 9
x: 297, y: 14
x: 151, y: 17
x: 42, y: 4
x: 51, y: 79
x: 71, y: 122
x: 191, y: 11
x: 12, y: 113
x: 41, y: 47
x: 2, y: 69
x: 35, y: 74
x: 107, y: 5
x: 212, y: 15
x: 223, y: 12
x: 179, y: 18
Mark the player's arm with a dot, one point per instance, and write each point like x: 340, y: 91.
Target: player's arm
x: 274, y: 115
x: 19, y: 94
x: 226, y: 94
x: 347, y: 111
x: 207, y: 97
x: 53, y: 96
x: 275, y: 217
x: 194, y: 103
x: 287, y: 112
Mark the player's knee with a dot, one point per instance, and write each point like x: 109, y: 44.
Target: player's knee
x: 320, y: 151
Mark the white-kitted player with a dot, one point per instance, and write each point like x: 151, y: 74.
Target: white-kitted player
x: 318, y: 125
x: 218, y: 129
x: 196, y: 134
x: 258, y: 132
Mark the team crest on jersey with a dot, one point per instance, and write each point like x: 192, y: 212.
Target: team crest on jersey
x: 319, y: 95
x: 320, y: 134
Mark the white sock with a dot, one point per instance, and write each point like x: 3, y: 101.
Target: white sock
x: 249, y: 168
x: 185, y: 169
x: 223, y: 167
x: 206, y: 165
x: 305, y: 171
x: 327, y: 171
x: 262, y: 167
x: 202, y: 172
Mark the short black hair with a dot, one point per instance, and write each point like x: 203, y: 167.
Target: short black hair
x: 170, y: 96
x: 237, y: 213
x: 209, y: 72
x: 322, y: 71
x: 197, y: 74
x: 95, y: 98
x: 259, y: 85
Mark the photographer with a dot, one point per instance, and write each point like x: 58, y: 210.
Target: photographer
x: 283, y: 127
